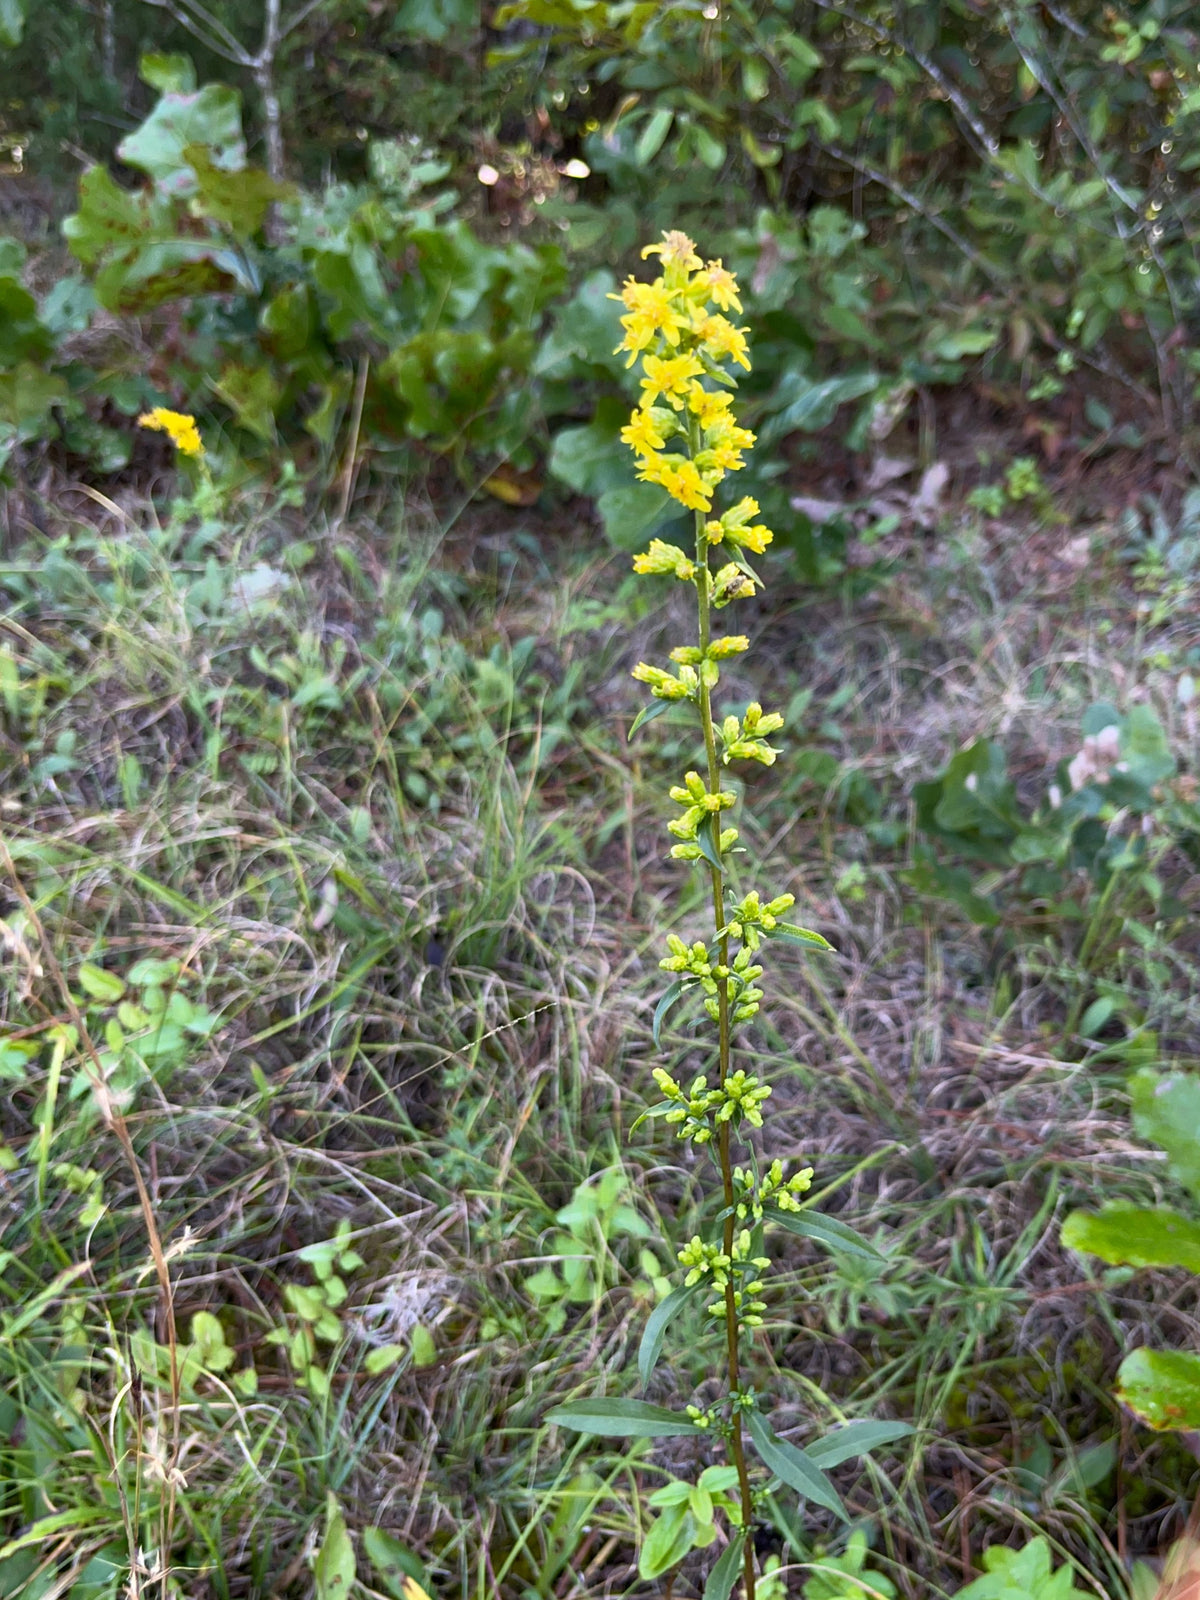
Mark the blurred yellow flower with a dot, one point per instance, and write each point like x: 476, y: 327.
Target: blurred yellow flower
x: 180, y: 428
x: 676, y: 249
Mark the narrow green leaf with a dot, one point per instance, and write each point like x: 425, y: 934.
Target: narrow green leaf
x: 656, y: 708
x: 656, y: 1327
x: 798, y: 935
x: 832, y: 1232
x: 621, y: 1419
x: 855, y: 1439
x: 793, y: 1465
x: 707, y: 848
x: 650, y: 141
x: 724, y: 1575
x: 670, y: 995
x: 658, y: 1109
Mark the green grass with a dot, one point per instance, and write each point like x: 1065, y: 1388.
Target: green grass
x: 368, y: 798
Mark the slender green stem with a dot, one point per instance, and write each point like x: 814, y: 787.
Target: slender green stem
x: 717, y: 875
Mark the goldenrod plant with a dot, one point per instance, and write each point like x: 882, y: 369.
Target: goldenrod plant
x: 686, y: 437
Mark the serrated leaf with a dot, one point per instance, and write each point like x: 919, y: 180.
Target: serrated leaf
x: 793, y: 1466
x: 334, y: 1567
x: 621, y: 1419
x: 672, y: 993
x: 855, y: 1439
x: 724, y: 1574
x: 798, y: 935
x: 1162, y: 1387
x: 1135, y: 1236
x: 832, y: 1232
x: 656, y: 1326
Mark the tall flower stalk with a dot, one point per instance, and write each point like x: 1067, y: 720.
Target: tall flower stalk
x: 687, y: 439
x: 677, y: 328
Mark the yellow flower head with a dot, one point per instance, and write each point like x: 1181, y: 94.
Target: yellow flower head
x: 180, y: 428
x: 721, y: 341
x: 652, y: 313
x: 669, y: 376
x: 722, y: 286
x: 676, y: 249
x: 642, y: 432
x: 680, y: 478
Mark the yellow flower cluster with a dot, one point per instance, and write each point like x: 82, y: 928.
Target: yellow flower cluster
x: 671, y: 326
x: 180, y: 428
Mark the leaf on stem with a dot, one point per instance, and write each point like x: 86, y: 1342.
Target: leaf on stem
x: 855, y: 1439
x: 621, y: 1419
x: 656, y: 708
x: 793, y: 1466
x: 670, y: 995
x: 798, y: 935
x: 724, y: 1575
x: 831, y: 1232
x: 656, y: 1326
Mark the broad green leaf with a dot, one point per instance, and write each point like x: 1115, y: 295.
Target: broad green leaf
x: 1144, y: 746
x: 27, y: 397
x: 424, y: 1347
x: 621, y: 1419
x: 793, y: 1466
x: 808, y: 405
x: 724, y: 1574
x: 109, y: 218
x: 670, y: 994
x: 169, y: 74
x: 100, y: 985
x: 12, y: 23
x: 211, y: 116
x: 632, y: 512
x: 393, y: 1561
x: 1162, y: 1387
x: 656, y: 1326
x: 832, y: 1232
x: 22, y: 334
x: 1166, y: 1110
x: 253, y: 395
x: 382, y: 1357
x: 238, y: 200
x: 669, y: 1540
x: 334, y: 1567
x: 1135, y: 1236
x: 855, y: 1439
x: 591, y: 459
x: 171, y: 269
